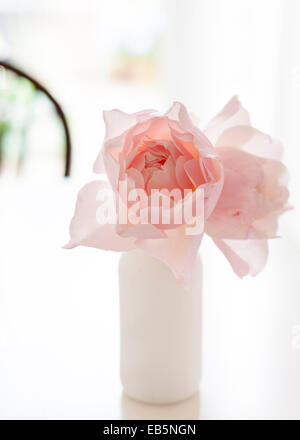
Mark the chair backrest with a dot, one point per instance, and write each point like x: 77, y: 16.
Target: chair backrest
x: 5, y: 65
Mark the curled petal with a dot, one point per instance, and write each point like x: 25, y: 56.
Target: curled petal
x: 118, y: 122
x: 159, y: 129
x: 247, y: 257
x: 194, y: 173
x: 181, y: 174
x: 232, y: 114
x: 179, y: 114
x: 138, y: 162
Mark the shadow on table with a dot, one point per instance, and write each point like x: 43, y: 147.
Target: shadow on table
x: 186, y: 410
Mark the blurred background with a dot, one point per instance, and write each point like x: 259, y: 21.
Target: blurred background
x: 63, y: 62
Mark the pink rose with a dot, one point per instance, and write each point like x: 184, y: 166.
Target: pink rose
x: 241, y: 194
x: 254, y: 193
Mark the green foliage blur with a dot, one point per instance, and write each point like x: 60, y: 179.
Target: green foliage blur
x: 17, y: 96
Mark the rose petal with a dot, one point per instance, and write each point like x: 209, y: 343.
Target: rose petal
x: 142, y: 231
x: 138, y: 162
x: 137, y: 177
x: 179, y: 114
x: 181, y: 175
x: 85, y: 230
x: 171, y: 212
x: 164, y: 178
x: 159, y: 129
x: 231, y: 115
x: 252, y: 141
x: 194, y: 173
x: 117, y: 124
x: 112, y: 168
x: 252, y: 192
x: 247, y: 257
x: 178, y: 251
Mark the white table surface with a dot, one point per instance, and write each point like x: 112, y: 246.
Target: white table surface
x: 59, y: 324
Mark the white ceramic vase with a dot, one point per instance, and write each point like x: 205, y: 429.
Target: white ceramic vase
x: 160, y: 325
